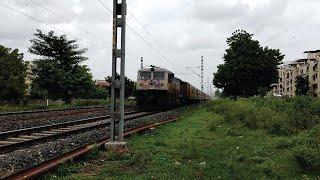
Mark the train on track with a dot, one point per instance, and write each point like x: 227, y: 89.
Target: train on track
x: 159, y: 88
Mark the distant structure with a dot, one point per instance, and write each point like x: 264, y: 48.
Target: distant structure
x: 102, y: 84
x: 29, y: 76
x: 288, y: 73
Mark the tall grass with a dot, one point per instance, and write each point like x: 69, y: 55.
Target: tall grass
x: 285, y: 118
x: 277, y: 116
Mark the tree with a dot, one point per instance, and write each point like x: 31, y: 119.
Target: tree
x: 130, y: 86
x: 218, y: 94
x: 12, y: 74
x: 59, y: 71
x: 302, y: 85
x: 97, y: 93
x: 247, y: 66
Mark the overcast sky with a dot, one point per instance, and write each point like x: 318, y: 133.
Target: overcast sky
x: 181, y: 30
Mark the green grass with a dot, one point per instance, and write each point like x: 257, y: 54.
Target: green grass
x: 222, y: 140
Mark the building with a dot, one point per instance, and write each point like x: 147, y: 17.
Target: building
x: 286, y: 86
x: 29, y: 66
x: 102, y: 84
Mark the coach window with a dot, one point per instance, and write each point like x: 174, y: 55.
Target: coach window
x: 145, y: 75
x: 158, y: 75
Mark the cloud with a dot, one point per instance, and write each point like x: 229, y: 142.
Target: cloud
x: 181, y: 30
x: 213, y: 11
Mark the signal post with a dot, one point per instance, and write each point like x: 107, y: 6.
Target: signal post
x: 118, y: 84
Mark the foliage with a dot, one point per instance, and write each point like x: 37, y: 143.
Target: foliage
x: 302, y: 85
x: 218, y: 94
x: 248, y: 68
x: 307, y: 152
x: 201, y: 145
x: 90, y: 102
x: 129, y: 86
x: 12, y: 74
x: 97, y: 93
x: 59, y: 72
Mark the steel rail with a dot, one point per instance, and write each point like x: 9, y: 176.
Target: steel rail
x: 42, y: 134
x: 55, y: 162
x: 51, y: 110
x: 18, y: 132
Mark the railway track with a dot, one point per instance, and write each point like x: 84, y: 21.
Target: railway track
x: 22, y: 138
x: 50, y: 110
x: 46, y: 166
x: 38, y: 114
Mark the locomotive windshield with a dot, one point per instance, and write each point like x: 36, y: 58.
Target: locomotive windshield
x: 158, y: 75
x: 144, y: 75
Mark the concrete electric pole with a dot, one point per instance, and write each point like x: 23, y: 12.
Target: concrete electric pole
x: 118, y: 54
x: 141, y: 62
x: 202, y: 73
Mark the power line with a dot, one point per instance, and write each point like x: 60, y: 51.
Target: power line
x: 144, y: 28
x: 151, y: 46
x: 61, y: 17
x: 105, y: 6
x: 39, y: 21
x: 138, y: 35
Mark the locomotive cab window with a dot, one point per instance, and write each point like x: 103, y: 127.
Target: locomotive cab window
x: 158, y: 75
x: 144, y: 75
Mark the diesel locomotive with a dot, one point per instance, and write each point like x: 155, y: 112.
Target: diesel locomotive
x: 159, y: 88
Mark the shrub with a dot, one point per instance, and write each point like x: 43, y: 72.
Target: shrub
x: 284, y: 143
x: 89, y: 102
x: 307, y: 151
x: 308, y: 158
x: 303, y: 119
x: 215, y: 122
x: 235, y: 130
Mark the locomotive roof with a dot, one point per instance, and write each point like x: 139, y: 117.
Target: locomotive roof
x: 156, y: 69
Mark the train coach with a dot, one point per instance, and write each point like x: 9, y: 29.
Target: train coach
x: 159, y: 88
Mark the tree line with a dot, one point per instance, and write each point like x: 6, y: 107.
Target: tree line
x: 58, y: 73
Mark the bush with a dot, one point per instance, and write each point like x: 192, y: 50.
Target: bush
x: 214, y: 123
x: 277, y: 116
x: 308, y: 158
x: 307, y: 151
x: 89, y: 102
x: 235, y: 131
x: 284, y: 143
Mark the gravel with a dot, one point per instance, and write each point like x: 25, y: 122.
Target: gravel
x: 14, y: 122
x: 22, y: 159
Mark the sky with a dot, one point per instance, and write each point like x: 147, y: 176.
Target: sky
x: 173, y: 34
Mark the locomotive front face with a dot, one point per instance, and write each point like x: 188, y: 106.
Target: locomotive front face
x: 152, y: 79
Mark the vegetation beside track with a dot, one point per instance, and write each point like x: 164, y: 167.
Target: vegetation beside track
x: 243, y: 139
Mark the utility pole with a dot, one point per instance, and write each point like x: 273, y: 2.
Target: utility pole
x: 118, y: 54
x: 202, y: 73
x: 141, y: 62
x: 208, y: 88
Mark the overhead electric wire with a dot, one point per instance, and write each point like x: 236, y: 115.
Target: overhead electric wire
x: 145, y: 29
x: 39, y: 21
x: 195, y: 73
x: 105, y: 6
x: 61, y: 17
x: 139, y: 36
